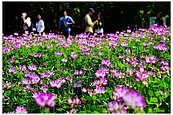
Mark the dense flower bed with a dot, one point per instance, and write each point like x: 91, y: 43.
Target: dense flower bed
x: 124, y: 72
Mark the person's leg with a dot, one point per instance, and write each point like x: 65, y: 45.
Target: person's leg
x: 68, y: 34
x: 65, y: 33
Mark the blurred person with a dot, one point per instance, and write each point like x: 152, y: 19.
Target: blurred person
x: 159, y: 20
x: 39, y: 25
x: 64, y: 24
x: 99, y: 25
x: 88, y: 21
x: 26, y: 22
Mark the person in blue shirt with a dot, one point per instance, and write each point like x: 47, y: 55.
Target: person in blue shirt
x: 64, y: 24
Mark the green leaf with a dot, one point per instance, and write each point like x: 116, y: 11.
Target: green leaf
x: 150, y: 92
x: 93, y: 108
x: 149, y: 110
x: 157, y: 94
x: 154, y: 100
x: 95, y: 112
x: 156, y: 110
x: 84, y: 112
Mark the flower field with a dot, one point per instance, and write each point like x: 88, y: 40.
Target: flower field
x: 124, y: 72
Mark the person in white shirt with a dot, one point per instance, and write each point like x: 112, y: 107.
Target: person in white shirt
x: 26, y: 22
x: 88, y: 21
x: 40, y: 25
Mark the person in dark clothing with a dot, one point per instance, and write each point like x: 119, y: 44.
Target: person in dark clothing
x: 159, y: 19
x: 99, y: 25
x: 64, y: 24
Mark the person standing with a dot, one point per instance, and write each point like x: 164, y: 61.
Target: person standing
x: 88, y: 21
x: 99, y: 25
x: 159, y: 20
x: 26, y: 22
x: 64, y: 24
x: 39, y: 25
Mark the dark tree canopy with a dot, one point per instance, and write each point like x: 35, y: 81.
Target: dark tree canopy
x: 117, y: 15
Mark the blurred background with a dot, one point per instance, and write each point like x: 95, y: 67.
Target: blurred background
x: 117, y: 15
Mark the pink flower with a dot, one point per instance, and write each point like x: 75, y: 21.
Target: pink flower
x: 119, y: 92
x: 134, y: 99
x: 106, y: 62
x: 71, y: 101
x: 84, y: 89
x: 12, y: 70
x: 20, y: 110
x: 78, y: 102
x: 44, y: 99
x: 114, y: 105
x: 22, y: 68
x: 99, y: 89
x: 58, y: 53
x: 72, y: 111
x: 32, y: 67
x: 73, y: 55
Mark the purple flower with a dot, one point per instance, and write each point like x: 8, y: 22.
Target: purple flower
x: 25, y: 81
x: 35, y: 79
x: 127, y: 59
x: 77, y: 101
x: 124, y: 43
x: 64, y: 60
x: 119, y: 92
x: 73, y: 55
x: 45, y: 99
x: 32, y: 67
x: 115, y: 72
x: 20, y: 110
x: 114, y: 105
x: 72, y: 111
x: 103, y: 81
x: 22, y: 68
x: 106, y: 62
x: 6, y: 50
x: 128, y: 51
x: 134, y: 99
x: 78, y: 72
x: 58, y: 53
x: 99, y: 89
x: 160, y: 47
x: 46, y: 74
x: 28, y: 74
x: 141, y: 75
x: 58, y: 83
x: 52, y: 84
x: 101, y: 53
x: 44, y: 88
x: 102, y: 72
x: 35, y: 95
x: 164, y: 67
x: 123, y: 111
x: 151, y: 59
x: 71, y: 101
x: 12, y: 70
x: 16, y: 45
x: 90, y: 92
x: 70, y: 79
x: 84, y: 89
x: 120, y: 56
x: 78, y: 83
x: 164, y: 63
